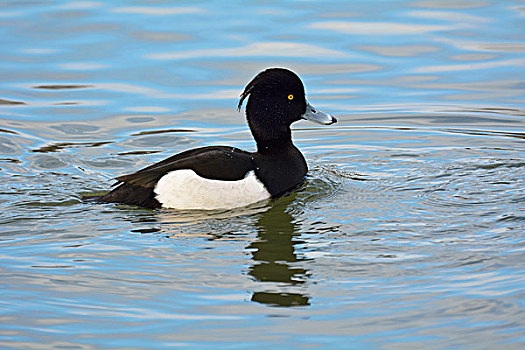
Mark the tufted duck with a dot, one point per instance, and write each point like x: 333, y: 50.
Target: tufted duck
x: 221, y: 177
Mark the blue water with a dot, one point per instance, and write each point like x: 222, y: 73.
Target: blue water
x: 408, y: 233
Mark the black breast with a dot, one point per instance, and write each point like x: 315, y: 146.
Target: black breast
x: 281, y: 171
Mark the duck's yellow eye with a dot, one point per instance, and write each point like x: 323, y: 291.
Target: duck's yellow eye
x: 290, y: 97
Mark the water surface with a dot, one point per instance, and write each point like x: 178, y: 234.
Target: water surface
x: 408, y: 232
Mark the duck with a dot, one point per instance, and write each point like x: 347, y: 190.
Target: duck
x: 224, y: 177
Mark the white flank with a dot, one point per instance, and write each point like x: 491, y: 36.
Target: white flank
x: 184, y: 189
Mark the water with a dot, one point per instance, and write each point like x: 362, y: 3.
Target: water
x: 408, y: 232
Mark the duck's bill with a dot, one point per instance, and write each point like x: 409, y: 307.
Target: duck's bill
x: 316, y: 116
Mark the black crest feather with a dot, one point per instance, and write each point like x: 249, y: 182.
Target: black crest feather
x: 271, y: 76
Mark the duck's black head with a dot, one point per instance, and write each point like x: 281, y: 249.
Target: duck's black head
x: 276, y: 100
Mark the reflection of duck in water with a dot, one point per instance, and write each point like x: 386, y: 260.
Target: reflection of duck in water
x: 275, y: 260
x: 279, y: 273
x: 220, y: 177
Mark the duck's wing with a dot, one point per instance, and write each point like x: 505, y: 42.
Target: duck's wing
x: 215, y: 162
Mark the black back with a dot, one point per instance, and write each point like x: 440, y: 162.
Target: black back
x: 216, y: 162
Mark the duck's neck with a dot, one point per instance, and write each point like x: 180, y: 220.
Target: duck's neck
x: 274, y: 145
x: 269, y: 125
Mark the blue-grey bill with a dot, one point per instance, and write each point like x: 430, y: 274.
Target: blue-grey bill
x: 315, y: 115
